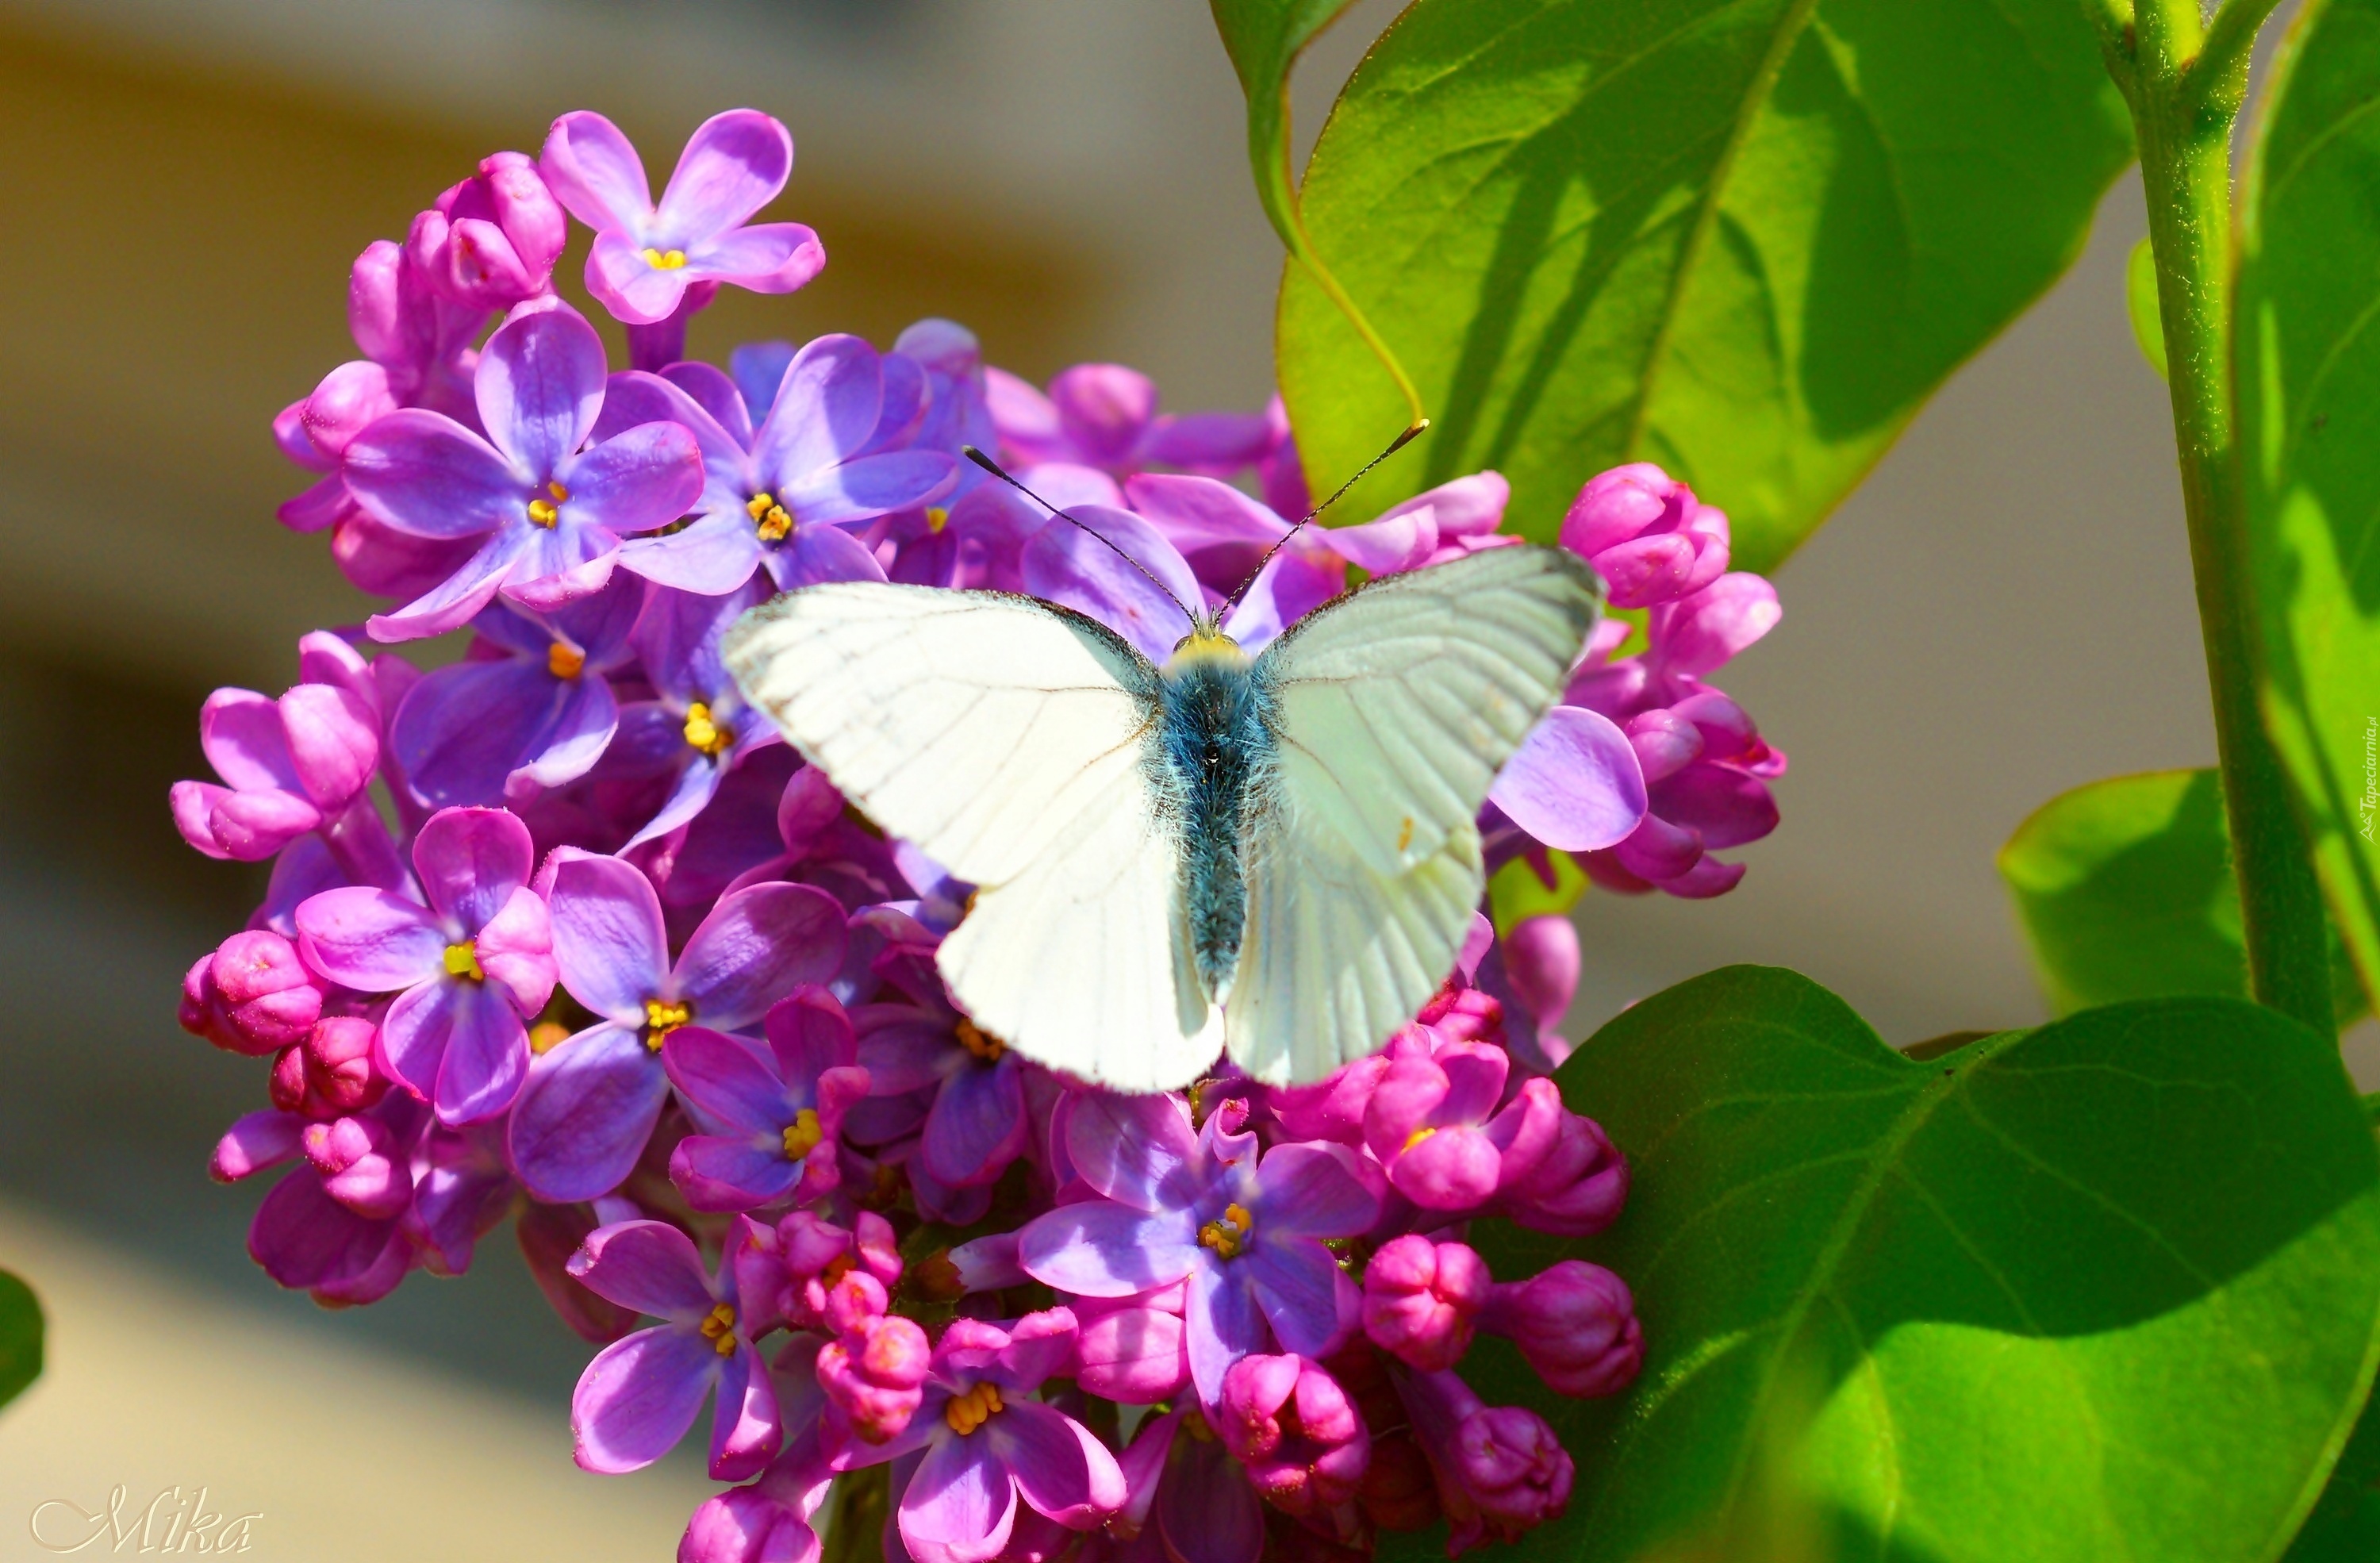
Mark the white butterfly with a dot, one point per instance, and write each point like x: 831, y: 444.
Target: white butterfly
x: 1279, y: 854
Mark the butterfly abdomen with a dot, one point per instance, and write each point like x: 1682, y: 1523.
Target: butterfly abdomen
x: 1217, y: 746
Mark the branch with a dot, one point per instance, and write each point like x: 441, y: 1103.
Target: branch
x: 2218, y: 76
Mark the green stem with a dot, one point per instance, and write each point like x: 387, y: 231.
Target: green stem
x: 2181, y: 118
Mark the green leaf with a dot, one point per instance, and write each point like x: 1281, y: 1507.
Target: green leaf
x: 20, y: 1337
x: 2125, y: 890
x: 2141, y: 303
x: 2308, y: 372
x: 1743, y: 239
x: 2105, y: 1290
x: 1264, y: 38
x: 1516, y: 893
x: 2345, y: 1526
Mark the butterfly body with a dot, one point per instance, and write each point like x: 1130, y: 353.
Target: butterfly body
x: 1278, y: 854
x: 1215, y: 747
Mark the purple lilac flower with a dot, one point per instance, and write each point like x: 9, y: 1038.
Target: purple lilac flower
x: 1105, y: 415
x: 309, y: 1234
x: 1501, y: 1472
x: 647, y: 256
x: 1246, y: 1232
x: 549, y: 509
x: 590, y: 1103
x: 934, y: 1075
x: 530, y: 710
x: 1435, y: 1122
x: 490, y: 242
x: 466, y: 969
x: 778, y: 1114
x: 1574, y: 1322
x: 979, y: 1448
x: 696, y: 728
x: 289, y: 766
x: 640, y: 1394
x: 780, y: 495
x: 462, y: 1188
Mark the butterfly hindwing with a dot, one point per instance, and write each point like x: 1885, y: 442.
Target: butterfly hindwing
x: 1393, y: 711
x: 1008, y: 740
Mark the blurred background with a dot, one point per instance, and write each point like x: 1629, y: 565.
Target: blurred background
x: 2002, y: 612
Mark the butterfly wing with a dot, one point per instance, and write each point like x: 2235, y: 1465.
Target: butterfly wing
x: 1393, y: 710
x: 1008, y: 740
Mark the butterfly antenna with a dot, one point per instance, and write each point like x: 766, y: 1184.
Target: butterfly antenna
x: 999, y: 472
x: 1400, y: 443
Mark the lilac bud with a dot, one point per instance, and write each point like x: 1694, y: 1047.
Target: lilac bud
x: 1541, y: 960
x: 1419, y: 1300
x: 1463, y: 1014
x: 491, y: 241
x: 1576, y: 1325
x: 747, y: 1525
x: 338, y: 1054
x: 876, y: 1375
x: 1576, y: 1188
x: 1435, y: 1127
x: 1513, y: 1467
x: 262, y: 993
x: 355, y: 1158
x: 349, y: 398
x: 854, y: 1300
x: 1646, y: 535
x: 1291, y: 1425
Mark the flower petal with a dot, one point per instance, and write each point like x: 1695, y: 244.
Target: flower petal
x: 745, y: 1431
x: 758, y: 945
x: 638, y: 480
x: 869, y: 486
x: 471, y: 860
x: 585, y: 1113
x: 486, y: 1055
x: 369, y: 940
x: 765, y: 257
x: 734, y: 164
x: 637, y: 1398
x: 1314, y: 1190
x: 713, y: 556
x: 539, y: 386
x: 1119, y: 570
x: 1296, y: 1283
x: 594, y: 171
x: 454, y: 600
x: 426, y: 476
x: 1103, y: 1249
x: 608, y: 938
x: 720, y: 1077
x: 822, y: 553
x: 960, y: 1505
x: 1220, y: 1311
x: 1133, y: 1149
x: 976, y: 1125
x: 825, y: 410
x: 1059, y: 1468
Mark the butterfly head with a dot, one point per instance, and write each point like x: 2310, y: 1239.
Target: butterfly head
x: 1206, y: 642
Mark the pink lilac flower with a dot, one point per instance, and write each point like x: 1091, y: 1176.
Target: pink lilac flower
x: 979, y: 1448
x: 653, y: 264
x: 1442, y: 1132
x: 1421, y: 1300
x: 1244, y: 1230
x: 462, y: 1187
x: 308, y: 1234
x: 589, y: 1104
x: 1290, y: 1423
x: 779, y: 1115
x: 1576, y: 1188
x: 329, y: 1072
x: 466, y: 969
x: 696, y: 728
x: 490, y: 242
x: 290, y: 766
x: 640, y: 1394
x: 1501, y: 1471
x: 1576, y: 1325
x: 1105, y: 415
x: 779, y: 496
x: 253, y: 995
x: 547, y: 507
x: 1646, y: 535
x: 530, y: 710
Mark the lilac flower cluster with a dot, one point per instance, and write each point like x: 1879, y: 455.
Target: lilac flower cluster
x: 563, y: 930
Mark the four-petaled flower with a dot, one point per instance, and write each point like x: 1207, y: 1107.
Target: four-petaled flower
x: 777, y: 1113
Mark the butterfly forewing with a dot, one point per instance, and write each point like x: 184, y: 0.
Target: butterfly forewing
x: 1394, y: 708
x: 1007, y: 740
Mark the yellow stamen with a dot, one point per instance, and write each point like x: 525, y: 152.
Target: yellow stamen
x: 545, y: 1034
x: 705, y: 733
x: 1228, y: 1235
x: 936, y: 519
x: 1416, y: 1138
x: 564, y: 662
x: 463, y: 961
x: 661, y: 1019
x: 980, y: 1043
x: 544, y: 513
x: 719, y: 1328
x: 970, y: 1409
x: 771, y: 520
x: 803, y: 1135
x: 664, y: 260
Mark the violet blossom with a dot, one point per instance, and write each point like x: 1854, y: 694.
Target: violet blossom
x: 696, y: 727
x: 589, y: 1103
x: 1105, y: 415
x: 778, y: 1114
x: 466, y: 969
x: 547, y: 507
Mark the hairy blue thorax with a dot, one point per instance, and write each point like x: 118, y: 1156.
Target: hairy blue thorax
x: 1215, y: 747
